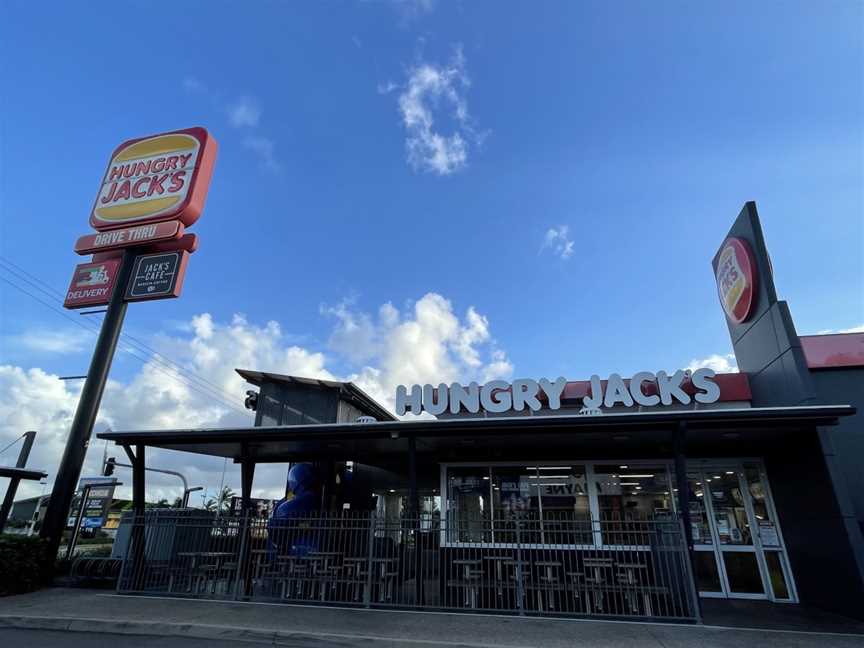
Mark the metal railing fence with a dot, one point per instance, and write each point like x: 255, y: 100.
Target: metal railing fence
x: 604, y: 568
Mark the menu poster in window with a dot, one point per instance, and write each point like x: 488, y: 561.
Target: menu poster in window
x: 515, y: 494
x: 768, y: 534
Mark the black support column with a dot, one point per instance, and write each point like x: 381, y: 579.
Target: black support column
x: 413, y: 499
x: 680, y: 450
x: 13, y: 482
x: 247, y: 473
x: 136, y: 554
x: 138, y: 483
x: 414, y: 519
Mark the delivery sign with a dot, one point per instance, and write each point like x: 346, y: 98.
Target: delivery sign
x: 92, y: 284
x: 157, y: 178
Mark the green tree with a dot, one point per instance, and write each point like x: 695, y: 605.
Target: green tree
x: 223, y: 502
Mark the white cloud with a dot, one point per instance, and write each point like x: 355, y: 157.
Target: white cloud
x: 410, y: 10
x: 719, y: 363
x: 244, y: 112
x: 854, y: 329
x: 429, y: 342
x: 265, y: 149
x: 558, y: 241
x: 430, y: 91
x: 53, y: 340
x: 193, y: 84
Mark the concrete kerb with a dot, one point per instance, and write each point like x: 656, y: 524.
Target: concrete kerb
x: 218, y: 632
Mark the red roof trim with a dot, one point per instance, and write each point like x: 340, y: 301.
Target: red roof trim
x: 836, y: 350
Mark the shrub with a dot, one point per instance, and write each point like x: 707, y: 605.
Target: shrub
x: 22, y: 560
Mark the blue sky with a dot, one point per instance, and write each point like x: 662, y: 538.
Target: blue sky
x: 640, y: 127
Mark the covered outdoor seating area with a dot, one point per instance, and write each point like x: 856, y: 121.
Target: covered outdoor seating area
x: 493, y: 557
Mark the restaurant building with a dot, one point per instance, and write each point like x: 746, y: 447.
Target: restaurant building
x: 631, y: 497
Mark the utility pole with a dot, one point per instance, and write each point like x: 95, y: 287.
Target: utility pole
x: 69, y: 472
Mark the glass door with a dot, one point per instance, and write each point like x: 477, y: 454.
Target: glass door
x: 708, y: 578
x: 737, y: 542
x: 730, y: 515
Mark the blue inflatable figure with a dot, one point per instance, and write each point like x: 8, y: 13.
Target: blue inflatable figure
x: 287, y: 534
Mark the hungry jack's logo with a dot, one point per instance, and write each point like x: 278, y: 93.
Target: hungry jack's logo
x: 736, y: 279
x: 156, y: 178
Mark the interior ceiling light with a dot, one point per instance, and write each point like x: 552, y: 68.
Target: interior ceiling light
x: 636, y: 476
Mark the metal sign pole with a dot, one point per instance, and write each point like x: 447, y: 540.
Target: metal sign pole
x: 85, y: 495
x: 85, y: 415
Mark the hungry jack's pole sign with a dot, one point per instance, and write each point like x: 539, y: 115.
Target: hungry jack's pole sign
x: 157, y: 178
x: 153, y: 189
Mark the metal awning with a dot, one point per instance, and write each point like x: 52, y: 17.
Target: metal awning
x: 469, y: 436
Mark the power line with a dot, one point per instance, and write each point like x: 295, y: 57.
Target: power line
x: 135, y: 342
x: 23, y: 435
x: 129, y: 349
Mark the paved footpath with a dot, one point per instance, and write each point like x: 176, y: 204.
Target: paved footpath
x: 100, y: 612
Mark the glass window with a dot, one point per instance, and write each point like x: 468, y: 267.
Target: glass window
x: 565, y: 508
x: 765, y: 525
x: 707, y: 576
x: 516, y: 499
x: 698, y: 516
x: 742, y: 570
x: 777, y: 575
x: 468, y: 518
x: 632, y: 493
x: 730, y: 516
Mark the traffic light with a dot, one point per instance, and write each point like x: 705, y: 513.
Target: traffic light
x: 109, y: 467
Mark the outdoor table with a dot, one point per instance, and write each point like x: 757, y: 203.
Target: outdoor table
x: 299, y: 570
x: 322, y: 568
x: 596, y: 564
x: 630, y: 578
x: 383, y: 564
x: 550, y: 579
x: 470, y: 579
x: 218, y: 557
x: 353, y: 566
x: 499, y: 573
x: 518, y: 576
x: 258, y: 559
